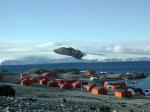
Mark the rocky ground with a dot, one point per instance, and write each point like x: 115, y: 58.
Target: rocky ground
x: 36, y: 98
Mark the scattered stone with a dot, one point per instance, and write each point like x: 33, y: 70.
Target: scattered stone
x: 64, y: 100
x: 32, y: 100
x: 92, y: 108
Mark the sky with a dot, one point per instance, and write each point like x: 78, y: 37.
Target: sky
x: 69, y: 20
x: 118, y: 26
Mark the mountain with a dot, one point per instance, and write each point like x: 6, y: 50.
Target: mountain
x: 110, y: 57
x: 38, y: 60
x: 66, y: 59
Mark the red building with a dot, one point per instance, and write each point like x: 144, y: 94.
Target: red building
x: 52, y: 84
x: 66, y: 86
x: 99, y: 90
x: 25, y: 82
x: 114, y: 84
x: 123, y: 93
x: 76, y: 84
x: 89, y: 87
x: 24, y: 76
x: 43, y: 81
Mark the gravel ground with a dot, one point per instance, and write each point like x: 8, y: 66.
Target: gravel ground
x: 37, y: 98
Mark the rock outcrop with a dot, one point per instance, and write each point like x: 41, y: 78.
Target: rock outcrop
x: 7, y: 90
x: 69, y: 52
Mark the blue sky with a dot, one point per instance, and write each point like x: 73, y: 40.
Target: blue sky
x: 69, y: 20
x: 36, y: 27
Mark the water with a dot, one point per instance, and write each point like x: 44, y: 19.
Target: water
x: 102, y: 66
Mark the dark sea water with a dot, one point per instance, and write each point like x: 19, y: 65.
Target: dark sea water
x: 140, y: 66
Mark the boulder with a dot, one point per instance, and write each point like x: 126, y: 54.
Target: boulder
x: 7, y: 90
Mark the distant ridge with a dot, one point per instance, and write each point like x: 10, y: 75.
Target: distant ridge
x: 86, y: 58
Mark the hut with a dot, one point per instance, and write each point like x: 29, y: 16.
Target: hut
x: 43, y: 81
x: 99, y: 90
x: 25, y: 82
x: 89, y: 87
x: 89, y: 72
x: 123, y: 93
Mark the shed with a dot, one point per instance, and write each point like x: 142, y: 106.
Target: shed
x: 89, y: 86
x: 123, y: 93
x: 99, y: 90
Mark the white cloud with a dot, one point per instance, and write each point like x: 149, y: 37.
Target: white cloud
x: 12, y: 50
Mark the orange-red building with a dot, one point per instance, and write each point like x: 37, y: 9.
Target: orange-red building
x: 52, y: 84
x: 114, y: 84
x: 123, y: 93
x: 43, y: 81
x: 89, y: 87
x: 25, y: 82
x: 66, y: 86
x: 99, y: 90
x: 76, y: 84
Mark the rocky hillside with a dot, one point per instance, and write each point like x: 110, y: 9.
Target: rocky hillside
x: 69, y: 52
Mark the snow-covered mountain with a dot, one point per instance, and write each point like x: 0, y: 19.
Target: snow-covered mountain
x: 89, y: 57
x: 37, y: 60
x: 110, y: 57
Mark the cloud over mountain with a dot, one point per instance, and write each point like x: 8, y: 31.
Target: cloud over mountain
x: 15, y: 50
